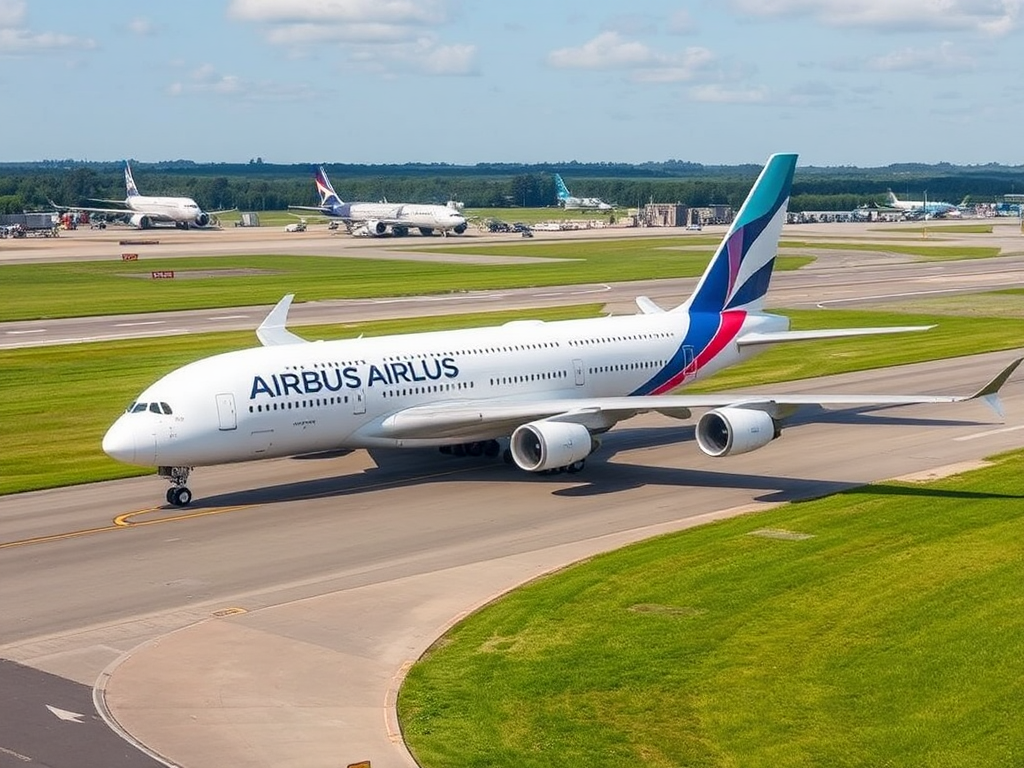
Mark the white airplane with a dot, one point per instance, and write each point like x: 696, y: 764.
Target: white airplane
x: 379, y: 219
x: 570, y: 203
x: 544, y: 389
x: 145, y: 211
x: 924, y: 208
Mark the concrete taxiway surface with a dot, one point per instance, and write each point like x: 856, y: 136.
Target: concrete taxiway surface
x: 270, y: 623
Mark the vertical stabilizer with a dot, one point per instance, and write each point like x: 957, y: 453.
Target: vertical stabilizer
x: 328, y: 197
x: 563, y: 192
x: 739, y: 273
x: 129, y: 183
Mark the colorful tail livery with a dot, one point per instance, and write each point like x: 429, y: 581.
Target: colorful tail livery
x: 538, y: 391
x: 739, y: 273
x: 328, y: 197
x: 563, y: 191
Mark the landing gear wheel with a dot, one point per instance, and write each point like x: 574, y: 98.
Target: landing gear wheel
x: 170, y: 495
x: 576, y: 466
x: 182, y: 497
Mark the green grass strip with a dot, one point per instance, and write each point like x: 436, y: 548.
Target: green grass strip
x: 891, y: 636
x: 79, y: 289
x: 922, y: 252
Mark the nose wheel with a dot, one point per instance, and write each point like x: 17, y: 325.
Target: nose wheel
x: 178, y: 494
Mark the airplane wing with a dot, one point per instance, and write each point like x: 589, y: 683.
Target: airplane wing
x: 468, y: 417
x: 153, y: 215
x: 777, y: 337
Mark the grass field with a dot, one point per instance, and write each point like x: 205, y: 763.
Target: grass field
x: 941, y: 229
x: 920, y: 252
x: 76, y: 289
x: 887, y: 632
x: 58, y: 401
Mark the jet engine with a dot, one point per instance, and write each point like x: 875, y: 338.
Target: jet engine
x: 458, y: 229
x: 542, y: 445
x: 376, y: 228
x: 141, y: 220
x: 729, y: 431
x: 202, y: 219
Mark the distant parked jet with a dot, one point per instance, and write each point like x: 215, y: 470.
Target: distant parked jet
x: 574, y: 203
x: 924, y: 209
x: 145, y: 211
x: 379, y: 219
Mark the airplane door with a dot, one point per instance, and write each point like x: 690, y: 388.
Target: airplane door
x: 577, y: 369
x: 226, y: 412
x: 358, y: 401
x: 689, y: 363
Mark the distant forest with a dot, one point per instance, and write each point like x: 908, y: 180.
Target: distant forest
x: 261, y: 186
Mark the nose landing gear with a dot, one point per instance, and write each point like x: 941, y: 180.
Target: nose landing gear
x: 178, y: 494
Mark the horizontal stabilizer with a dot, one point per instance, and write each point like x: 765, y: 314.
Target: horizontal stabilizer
x: 272, y: 331
x: 777, y: 337
x: 647, y: 306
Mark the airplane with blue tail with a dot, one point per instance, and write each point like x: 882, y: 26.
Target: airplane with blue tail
x: 539, y: 393
x: 570, y: 202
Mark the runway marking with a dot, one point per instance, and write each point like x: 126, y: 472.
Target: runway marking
x: 31, y: 330
x: 230, y: 317
x: 127, y: 520
x: 987, y: 433
x: 141, y: 322
x: 822, y: 304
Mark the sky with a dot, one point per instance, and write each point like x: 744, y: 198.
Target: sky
x: 842, y: 82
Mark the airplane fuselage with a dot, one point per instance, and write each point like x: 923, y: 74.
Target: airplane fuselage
x: 411, y: 216
x: 181, y: 210
x: 282, y: 400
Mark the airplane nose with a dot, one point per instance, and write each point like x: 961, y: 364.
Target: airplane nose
x: 119, y: 442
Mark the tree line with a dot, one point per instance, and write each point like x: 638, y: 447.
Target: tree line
x: 260, y: 186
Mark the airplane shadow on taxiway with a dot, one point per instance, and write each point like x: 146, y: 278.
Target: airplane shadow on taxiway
x: 601, y: 477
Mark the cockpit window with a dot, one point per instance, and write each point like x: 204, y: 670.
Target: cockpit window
x: 139, y: 407
x: 166, y: 408
x: 154, y: 407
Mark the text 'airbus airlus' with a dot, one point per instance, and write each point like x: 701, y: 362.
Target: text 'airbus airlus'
x: 538, y: 391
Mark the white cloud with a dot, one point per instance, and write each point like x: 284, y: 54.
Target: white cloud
x: 383, y: 37
x: 16, y: 39
x: 681, y: 23
x: 205, y: 80
x: 23, y: 41
x: 452, y: 60
x: 718, y: 94
x: 610, y: 51
x: 943, y: 59
x: 12, y: 13
x: 400, y: 12
x: 142, y: 27
x: 993, y: 17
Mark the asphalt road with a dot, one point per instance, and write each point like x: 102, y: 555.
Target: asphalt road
x: 270, y: 623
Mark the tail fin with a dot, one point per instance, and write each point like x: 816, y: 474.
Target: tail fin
x: 891, y: 197
x: 739, y: 273
x: 129, y: 183
x: 563, y: 192
x: 328, y: 197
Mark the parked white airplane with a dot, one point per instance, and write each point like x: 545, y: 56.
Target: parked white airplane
x: 933, y: 209
x: 546, y: 388
x: 146, y: 211
x: 379, y: 219
x: 569, y: 202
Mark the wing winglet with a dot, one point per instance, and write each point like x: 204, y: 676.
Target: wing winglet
x: 990, y: 392
x: 272, y: 331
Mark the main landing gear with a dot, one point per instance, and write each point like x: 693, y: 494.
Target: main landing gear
x: 178, y: 494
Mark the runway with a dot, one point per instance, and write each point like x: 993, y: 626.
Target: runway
x: 270, y: 623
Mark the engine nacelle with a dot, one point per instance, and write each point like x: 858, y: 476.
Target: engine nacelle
x: 729, y: 431
x: 376, y: 228
x: 458, y: 229
x: 542, y: 445
x: 141, y: 220
x: 202, y: 219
